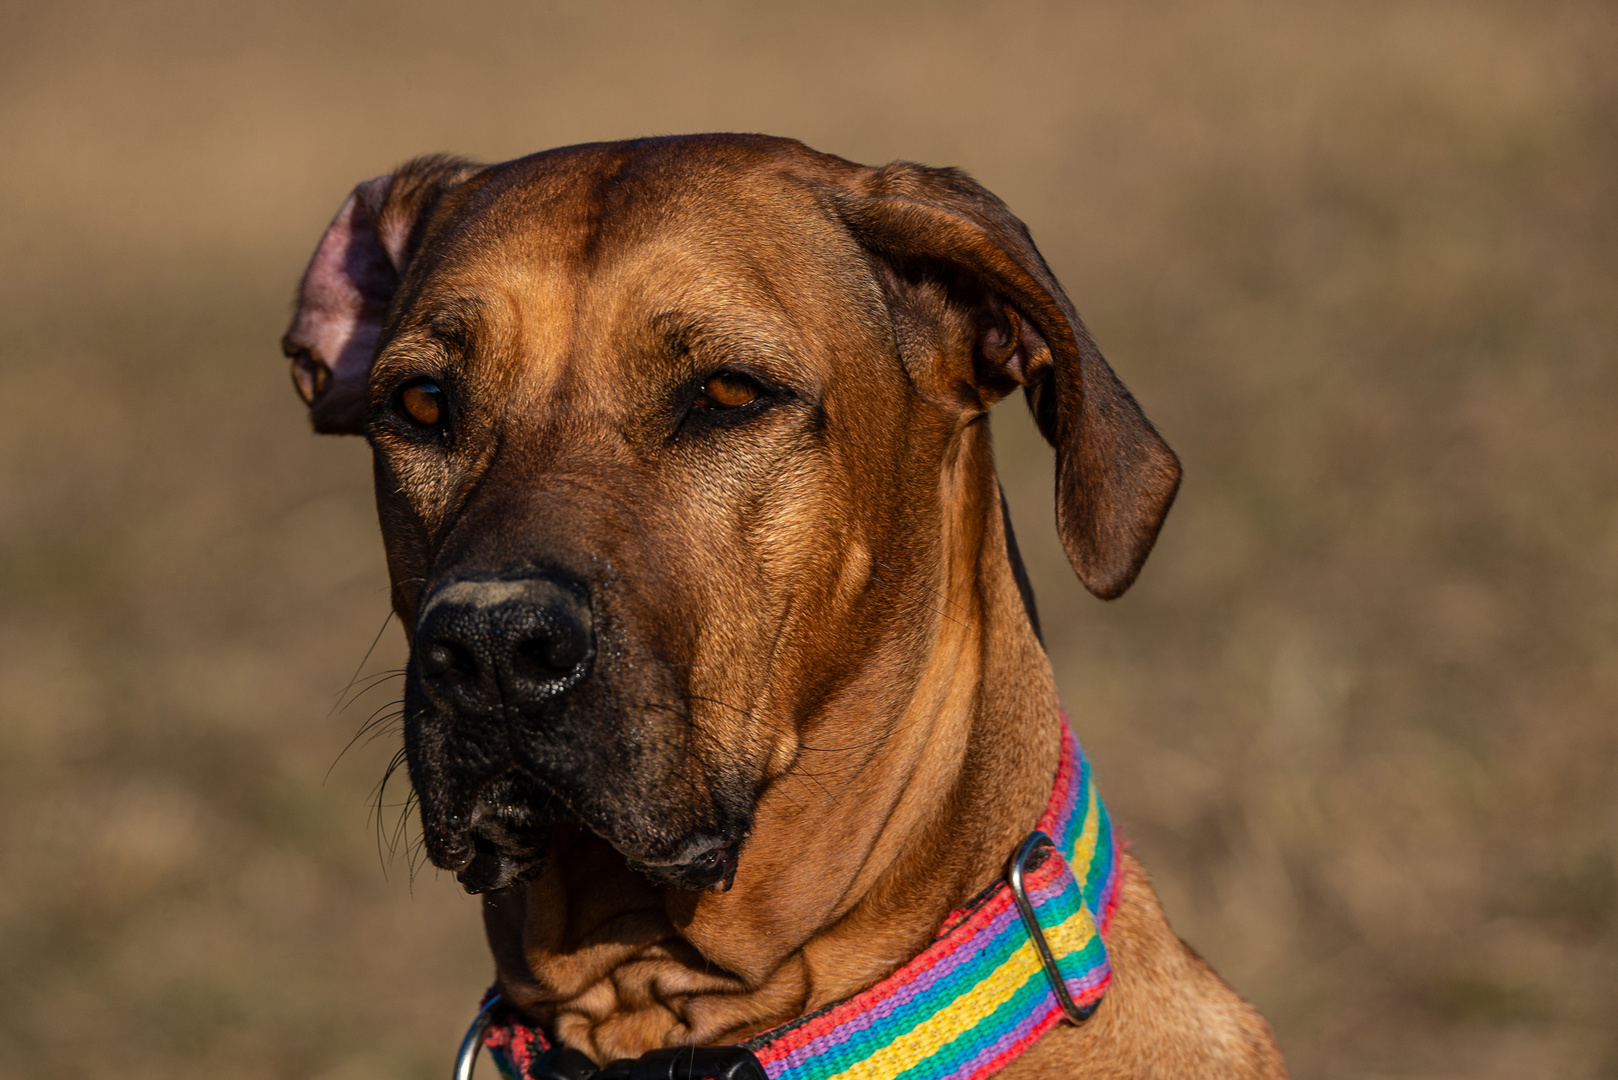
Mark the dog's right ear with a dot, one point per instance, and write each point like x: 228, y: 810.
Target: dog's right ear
x: 350, y: 283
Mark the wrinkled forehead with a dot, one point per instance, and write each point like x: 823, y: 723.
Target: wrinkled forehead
x: 571, y: 258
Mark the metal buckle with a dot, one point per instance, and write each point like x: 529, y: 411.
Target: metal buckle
x: 687, y: 1063
x: 1019, y: 863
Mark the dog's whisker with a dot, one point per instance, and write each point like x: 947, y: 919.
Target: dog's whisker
x: 387, y: 726
x: 801, y: 775
x: 379, y: 803
x: 748, y: 713
x: 794, y: 771
x: 927, y: 586
x: 394, y: 587
x: 379, y: 723
x: 878, y: 741
x: 415, y: 850
x: 383, y: 717
x: 361, y: 666
x: 940, y: 612
x: 370, y: 682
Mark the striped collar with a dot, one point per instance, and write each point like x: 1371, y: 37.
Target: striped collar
x: 972, y: 1001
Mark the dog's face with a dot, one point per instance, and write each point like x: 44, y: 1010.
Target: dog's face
x: 620, y: 448
x: 663, y: 436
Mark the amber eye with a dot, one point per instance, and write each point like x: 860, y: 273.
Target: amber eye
x: 423, y: 402
x: 728, y: 390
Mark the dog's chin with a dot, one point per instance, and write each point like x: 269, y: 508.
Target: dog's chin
x: 493, y: 837
x: 492, y: 868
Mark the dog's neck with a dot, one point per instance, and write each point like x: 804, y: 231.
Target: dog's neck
x: 912, y: 804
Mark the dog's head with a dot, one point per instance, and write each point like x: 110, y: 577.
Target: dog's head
x: 666, y: 434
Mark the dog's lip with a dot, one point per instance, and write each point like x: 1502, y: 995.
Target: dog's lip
x: 696, y: 847
x: 706, y: 860
x: 485, y: 853
x: 495, y: 822
x: 461, y: 859
x: 454, y: 852
x: 500, y: 834
x: 490, y: 868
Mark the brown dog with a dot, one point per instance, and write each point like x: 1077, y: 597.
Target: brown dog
x: 725, y: 683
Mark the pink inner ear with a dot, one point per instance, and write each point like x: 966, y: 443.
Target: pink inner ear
x: 341, y: 303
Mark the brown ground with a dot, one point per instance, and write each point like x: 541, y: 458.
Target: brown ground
x: 1360, y: 262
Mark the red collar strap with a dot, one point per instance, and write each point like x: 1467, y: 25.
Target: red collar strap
x: 1003, y: 970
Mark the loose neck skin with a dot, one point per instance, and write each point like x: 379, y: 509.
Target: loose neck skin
x: 857, y: 854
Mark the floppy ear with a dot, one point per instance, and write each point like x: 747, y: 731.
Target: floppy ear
x: 344, y: 297
x: 1115, y: 476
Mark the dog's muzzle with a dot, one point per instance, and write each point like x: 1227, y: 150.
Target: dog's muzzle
x: 494, y: 655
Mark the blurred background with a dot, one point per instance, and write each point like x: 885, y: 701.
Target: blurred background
x: 1358, y: 261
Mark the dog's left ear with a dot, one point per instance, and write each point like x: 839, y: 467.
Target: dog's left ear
x: 351, y: 280
x: 938, y: 230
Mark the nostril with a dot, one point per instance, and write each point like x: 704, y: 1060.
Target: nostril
x: 441, y: 660
x: 436, y: 659
x: 567, y: 653
x: 548, y: 658
x: 560, y: 651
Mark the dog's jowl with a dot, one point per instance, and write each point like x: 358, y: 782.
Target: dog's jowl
x: 725, y: 688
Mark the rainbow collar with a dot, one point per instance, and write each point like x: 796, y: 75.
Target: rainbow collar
x: 983, y: 992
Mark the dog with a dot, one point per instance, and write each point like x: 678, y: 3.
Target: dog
x: 726, y: 686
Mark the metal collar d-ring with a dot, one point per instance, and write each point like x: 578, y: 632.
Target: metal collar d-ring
x: 666, y: 1063
x: 1019, y: 863
x: 467, y: 1056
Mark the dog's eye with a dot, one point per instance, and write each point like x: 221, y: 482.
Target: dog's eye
x: 423, y: 402
x: 728, y: 390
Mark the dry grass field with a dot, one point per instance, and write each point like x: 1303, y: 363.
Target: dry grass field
x: 1359, y: 261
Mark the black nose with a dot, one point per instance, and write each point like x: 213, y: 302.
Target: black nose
x: 504, y: 643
